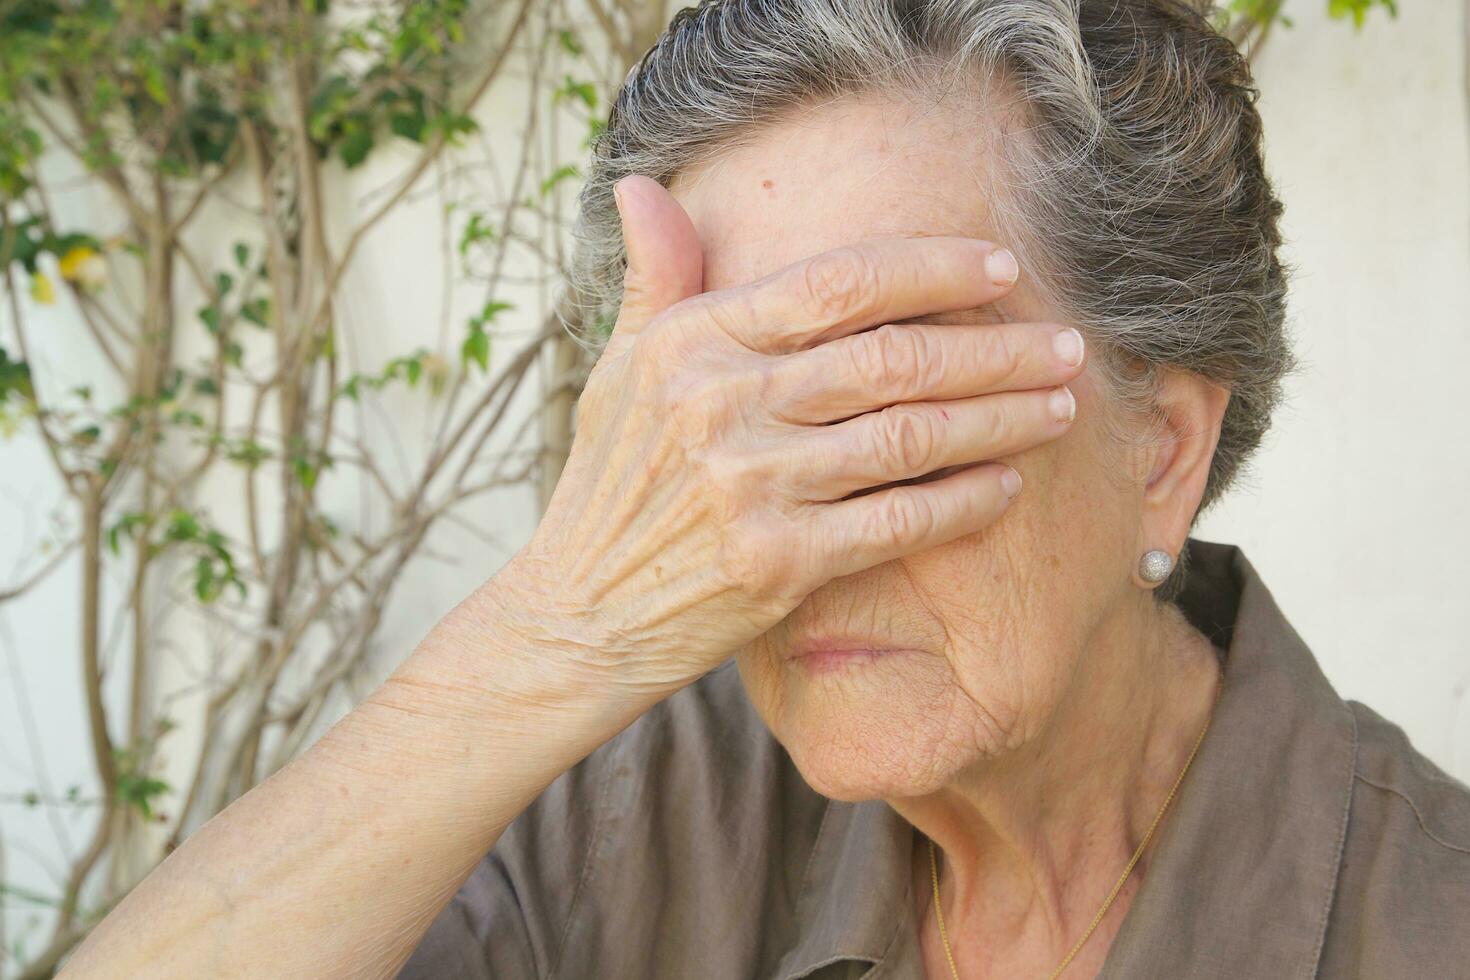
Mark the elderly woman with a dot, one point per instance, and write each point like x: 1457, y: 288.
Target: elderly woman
x: 937, y: 324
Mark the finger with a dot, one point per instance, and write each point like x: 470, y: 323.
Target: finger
x: 921, y: 362
x: 878, y: 527
x: 665, y: 258
x: 911, y: 439
x: 855, y: 286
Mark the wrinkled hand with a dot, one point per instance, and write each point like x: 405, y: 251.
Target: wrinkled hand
x: 723, y: 438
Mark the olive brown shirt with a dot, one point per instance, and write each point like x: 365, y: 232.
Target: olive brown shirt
x: 1309, y: 838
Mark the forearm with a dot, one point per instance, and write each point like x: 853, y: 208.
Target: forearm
x: 337, y: 864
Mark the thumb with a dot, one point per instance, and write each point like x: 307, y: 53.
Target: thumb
x: 665, y: 258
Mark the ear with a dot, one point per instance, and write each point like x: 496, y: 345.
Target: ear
x: 1178, y: 467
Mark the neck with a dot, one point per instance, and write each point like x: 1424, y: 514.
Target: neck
x: 1032, y: 843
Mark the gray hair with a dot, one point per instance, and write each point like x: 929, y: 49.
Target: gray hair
x: 1136, y: 194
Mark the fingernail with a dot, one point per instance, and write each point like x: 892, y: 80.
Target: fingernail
x: 1063, y: 404
x: 1068, y: 346
x: 1001, y: 267
x: 618, y: 196
x: 1010, y: 482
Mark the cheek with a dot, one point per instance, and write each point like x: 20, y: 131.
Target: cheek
x: 1005, y: 612
x: 998, y: 637
x: 1019, y: 599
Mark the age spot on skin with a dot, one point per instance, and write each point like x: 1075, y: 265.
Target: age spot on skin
x: 768, y: 184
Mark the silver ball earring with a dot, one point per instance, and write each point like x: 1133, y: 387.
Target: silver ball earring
x: 1155, y: 565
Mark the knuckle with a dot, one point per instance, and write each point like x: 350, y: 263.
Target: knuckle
x: 840, y: 282
x: 724, y: 394
x: 997, y: 424
x: 930, y: 360
x: 769, y: 382
x: 726, y: 311
x: 907, y: 438
x: 904, y: 518
x: 726, y: 479
x: 892, y: 360
x: 1004, y: 356
x: 697, y: 423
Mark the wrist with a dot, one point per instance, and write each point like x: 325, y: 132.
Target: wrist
x: 511, y: 652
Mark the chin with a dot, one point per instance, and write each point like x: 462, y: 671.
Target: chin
x: 875, y: 728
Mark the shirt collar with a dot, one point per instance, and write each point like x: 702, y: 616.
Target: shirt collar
x: 1243, y: 869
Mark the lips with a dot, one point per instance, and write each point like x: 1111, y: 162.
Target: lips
x: 840, y: 653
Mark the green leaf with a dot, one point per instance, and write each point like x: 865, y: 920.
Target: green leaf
x: 133, y: 786
x: 182, y: 526
x: 1358, y: 9
x: 410, y: 126
x: 409, y: 117
x: 326, y: 107
x: 248, y: 453
x: 584, y: 92
x: 476, y: 348
x: 453, y: 124
x: 154, y: 84
x: 15, y: 380
x: 257, y: 311
x: 475, y: 230
x: 355, y: 146
x: 139, y: 790
x: 308, y: 464
x: 595, y: 128
x: 242, y: 254
x: 490, y: 311
x: 112, y: 541
x: 563, y: 172
x: 206, y: 588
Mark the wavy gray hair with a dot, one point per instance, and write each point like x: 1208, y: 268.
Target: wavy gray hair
x: 1134, y: 189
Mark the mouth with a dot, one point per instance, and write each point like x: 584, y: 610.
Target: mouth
x: 828, y: 654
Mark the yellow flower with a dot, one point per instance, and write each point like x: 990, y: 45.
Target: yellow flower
x: 41, y: 289
x: 436, y: 369
x: 83, y: 266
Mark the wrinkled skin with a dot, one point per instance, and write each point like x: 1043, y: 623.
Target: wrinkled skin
x: 994, y: 623
x: 1039, y: 698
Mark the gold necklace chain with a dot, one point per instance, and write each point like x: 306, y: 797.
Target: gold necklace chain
x: 1132, y: 862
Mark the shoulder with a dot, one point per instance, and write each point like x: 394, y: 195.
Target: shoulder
x: 1432, y: 805
x: 1403, y: 890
